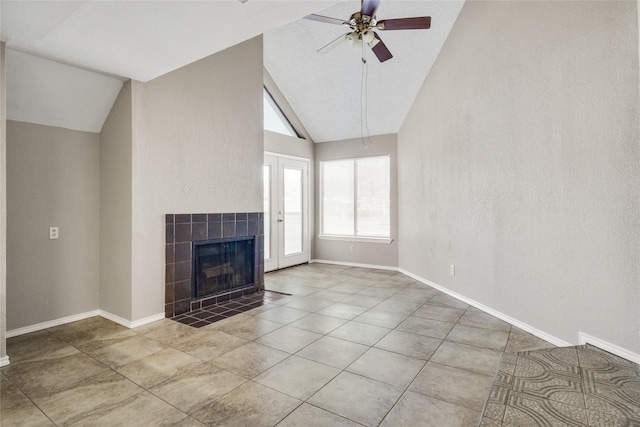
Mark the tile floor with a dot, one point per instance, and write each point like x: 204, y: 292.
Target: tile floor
x: 569, y: 386
x: 216, y: 312
x: 350, y: 346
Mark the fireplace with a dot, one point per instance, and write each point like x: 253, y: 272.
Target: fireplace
x: 222, y: 265
x: 189, y: 234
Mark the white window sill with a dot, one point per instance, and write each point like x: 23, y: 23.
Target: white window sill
x: 356, y: 239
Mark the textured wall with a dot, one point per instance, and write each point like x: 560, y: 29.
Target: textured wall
x: 366, y: 253
x: 3, y: 205
x: 521, y: 166
x: 52, y: 180
x: 197, y: 147
x: 115, y: 207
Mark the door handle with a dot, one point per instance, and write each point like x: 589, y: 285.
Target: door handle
x: 281, y: 220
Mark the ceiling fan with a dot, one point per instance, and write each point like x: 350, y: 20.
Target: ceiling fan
x: 364, y: 22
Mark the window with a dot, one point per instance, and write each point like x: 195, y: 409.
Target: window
x: 356, y: 197
x: 274, y: 118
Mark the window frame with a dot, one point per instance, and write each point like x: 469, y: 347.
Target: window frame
x: 280, y: 114
x: 321, y: 186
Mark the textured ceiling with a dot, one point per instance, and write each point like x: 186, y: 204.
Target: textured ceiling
x: 112, y: 41
x: 326, y: 89
x: 67, y: 59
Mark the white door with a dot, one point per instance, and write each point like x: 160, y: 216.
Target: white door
x: 286, y: 212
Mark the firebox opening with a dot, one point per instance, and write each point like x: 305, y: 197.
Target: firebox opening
x: 222, y: 265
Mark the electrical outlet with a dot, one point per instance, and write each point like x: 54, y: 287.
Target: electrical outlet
x: 452, y: 270
x: 54, y: 232
x: 353, y: 249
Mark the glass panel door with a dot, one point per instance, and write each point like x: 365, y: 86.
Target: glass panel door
x: 286, y: 212
x: 292, y: 210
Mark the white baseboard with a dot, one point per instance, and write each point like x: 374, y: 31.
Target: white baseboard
x: 81, y: 316
x: 52, y: 323
x: 128, y: 323
x: 607, y: 346
x: 354, y: 264
x: 4, y: 361
x: 515, y: 322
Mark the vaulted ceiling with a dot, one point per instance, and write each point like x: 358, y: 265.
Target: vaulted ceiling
x: 67, y: 60
x: 336, y: 95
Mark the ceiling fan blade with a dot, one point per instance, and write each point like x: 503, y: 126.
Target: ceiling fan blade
x: 380, y: 49
x: 329, y: 46
x: 326, y: 19
x: 417, y: 23
x: 369, y: 7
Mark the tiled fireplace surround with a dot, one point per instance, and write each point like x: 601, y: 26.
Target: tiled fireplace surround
x: 182, y: 230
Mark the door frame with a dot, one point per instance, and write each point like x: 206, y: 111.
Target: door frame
x: 277, y: 260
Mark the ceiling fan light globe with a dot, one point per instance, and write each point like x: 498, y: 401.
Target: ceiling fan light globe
x: 368, y: 36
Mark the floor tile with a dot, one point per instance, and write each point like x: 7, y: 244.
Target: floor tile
x: 444, y: 314
x: 249, y: 405
x: 241, y: 367
x: 401, y: 307
x: 413, y: 345
x: 40, y: 345
x: 297, y: 377
x: 378, y: 292
x: 309, y: 304
x: 10, y: 395
x: 157, y: 367
x: 476, y: 318
x: 360, y: 333
x: 453, y: 385
x: 342, y: 311
x: 429, y: 327
x: 443, y: 300
x: 141, y: 410
x: 413, y: 296
x: 25, y: 415
x: 119, y: 352
x: 357, y: 398
x: 88, y: 330
x: 246, y: 327
x: 520, y: 340
x: 283, y: 315
x: 311, y: 416
x: 388, y: 367
x: 414, y: 409
x: 191, y: 390
x: 476, y: 359
x: 382, y: 318
x: 318, y: 323
x: 333, y: 296
x: 44, y: 377
x: 86, y: 397
x: 250, y: 359
x: 479, y: 337
x: 333, y: 352
x: 349, y: 287
x: 170, y: 332
x: 362, y: 300
x: 207, y: 343
x: 288, y: 339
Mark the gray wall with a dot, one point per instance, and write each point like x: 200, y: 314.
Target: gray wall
x: 52, y: 180
x: 3, y: 205
x: 520, y: 165
x: 381, y: 254
x: 197, y: 147
x: 115, y: 207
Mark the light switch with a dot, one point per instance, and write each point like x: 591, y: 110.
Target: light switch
x: 53, y: 233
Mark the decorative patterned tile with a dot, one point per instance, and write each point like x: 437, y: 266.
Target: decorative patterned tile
x: 565, y: 386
